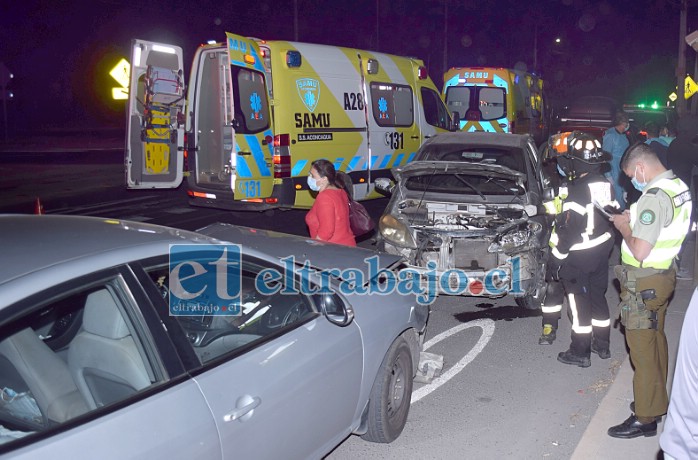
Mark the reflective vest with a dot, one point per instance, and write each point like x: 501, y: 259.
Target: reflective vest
x: 553, y: 208
x: 670, y: 237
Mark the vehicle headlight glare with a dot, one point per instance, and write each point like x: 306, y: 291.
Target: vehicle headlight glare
x: 396, y: 232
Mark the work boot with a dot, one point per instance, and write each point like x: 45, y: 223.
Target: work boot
x: 549, y: 335
x: 601, y: 350
x: 568, y: 357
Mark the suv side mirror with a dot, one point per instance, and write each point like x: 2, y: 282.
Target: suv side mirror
x: 455, y: 122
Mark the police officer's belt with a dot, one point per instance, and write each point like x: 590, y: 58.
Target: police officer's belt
x: 643, y: 272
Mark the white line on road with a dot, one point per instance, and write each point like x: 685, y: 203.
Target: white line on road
x: 487, y: 326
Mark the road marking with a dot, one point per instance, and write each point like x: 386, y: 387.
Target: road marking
x: 487, y: 326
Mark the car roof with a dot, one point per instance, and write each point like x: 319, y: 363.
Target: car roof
x: 480, y: 138
x: 35, y: 242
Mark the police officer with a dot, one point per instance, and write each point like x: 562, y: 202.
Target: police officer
x: 583, y: 243
x: 555, y: 293
x: 653, y: 230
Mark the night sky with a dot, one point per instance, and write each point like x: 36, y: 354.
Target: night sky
x: 61, y: 52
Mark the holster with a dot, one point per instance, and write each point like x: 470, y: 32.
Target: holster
x: 633, y: 311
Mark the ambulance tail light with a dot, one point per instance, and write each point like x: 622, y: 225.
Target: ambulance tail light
x: 422, y: 73
x: 293, y: 58
x: 185, y: 165
x: 282, y: 156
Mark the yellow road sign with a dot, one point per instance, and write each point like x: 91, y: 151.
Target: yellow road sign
x: 690, y: 87
x: 121, y: 73
x: 673, y: 97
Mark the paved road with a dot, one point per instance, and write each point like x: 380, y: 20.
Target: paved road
x: 501, y: 394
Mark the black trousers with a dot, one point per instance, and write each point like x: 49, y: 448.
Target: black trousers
x: 584, y: 277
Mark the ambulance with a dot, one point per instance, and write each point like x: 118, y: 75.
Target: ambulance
x: 497, y: 100
x: 255, y: 114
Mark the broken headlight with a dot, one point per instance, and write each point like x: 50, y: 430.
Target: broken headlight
x: 396, y: 232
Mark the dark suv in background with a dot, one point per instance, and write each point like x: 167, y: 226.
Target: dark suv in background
x: 641, y: 114
x: 590, y: 114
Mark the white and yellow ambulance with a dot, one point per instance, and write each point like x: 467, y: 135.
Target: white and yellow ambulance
x: 255, y: 114
x: 497, y: 100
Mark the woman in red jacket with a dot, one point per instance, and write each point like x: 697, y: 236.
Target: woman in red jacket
x: 328, y: 219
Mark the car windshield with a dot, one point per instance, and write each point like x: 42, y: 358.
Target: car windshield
x: 482, y: 184
x: 512, y: 158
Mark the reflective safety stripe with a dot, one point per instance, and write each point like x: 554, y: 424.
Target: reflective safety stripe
x: 551, y: 308
x: 554, y: 239
x: 575, y: 318
x: 590, y: 243
x: 572, y: 206
x: 558, y: 254
x: 600, y: 323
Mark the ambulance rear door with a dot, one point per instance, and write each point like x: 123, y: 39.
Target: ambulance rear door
x: 481, y: 96
x: 155, y: 124
x: 393, y: 120
x: 231, y: 123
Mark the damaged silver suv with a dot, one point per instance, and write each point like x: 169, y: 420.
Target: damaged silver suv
x: 467, y: 214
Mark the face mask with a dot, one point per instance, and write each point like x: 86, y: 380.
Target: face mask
x: 312, y: 183
x: 639, y: 186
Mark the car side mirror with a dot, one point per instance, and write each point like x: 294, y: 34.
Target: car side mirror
x: 384, y: 186
x: 455, y: 121
x: 335, y: 309
x: 548, y: 194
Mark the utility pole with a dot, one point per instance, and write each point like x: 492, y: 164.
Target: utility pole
x: 445, y: 36
x: 295, y: 20
x: 681, y: 104
x: 377, y: 23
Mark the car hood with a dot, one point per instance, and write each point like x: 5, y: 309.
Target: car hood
x: 320, y: 255
x: 419, y: 168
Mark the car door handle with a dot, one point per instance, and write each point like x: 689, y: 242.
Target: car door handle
x: 244, y: 153
x: 245, y: 404
x: 426, y: 136
x: 414, y: 137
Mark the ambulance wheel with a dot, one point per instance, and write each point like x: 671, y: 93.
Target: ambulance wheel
x: 389, y: 403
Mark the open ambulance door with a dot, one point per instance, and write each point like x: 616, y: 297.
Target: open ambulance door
x: 155, y: 131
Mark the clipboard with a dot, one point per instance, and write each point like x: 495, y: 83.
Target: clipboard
x: 608, y: 210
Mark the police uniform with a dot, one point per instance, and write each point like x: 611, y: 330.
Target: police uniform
x: 662, y: 217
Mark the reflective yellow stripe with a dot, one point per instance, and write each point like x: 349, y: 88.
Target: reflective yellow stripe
x: 601, y: 323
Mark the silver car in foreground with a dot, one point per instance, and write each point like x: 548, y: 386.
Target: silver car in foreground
x: 468, y: 210
x: 90, y: 354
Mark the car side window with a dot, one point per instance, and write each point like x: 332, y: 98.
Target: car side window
x: 256, y: 318
x: 68, y: 355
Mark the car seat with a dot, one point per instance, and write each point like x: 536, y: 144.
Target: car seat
x: 104, y: 359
